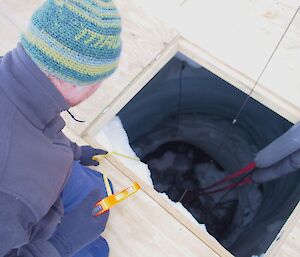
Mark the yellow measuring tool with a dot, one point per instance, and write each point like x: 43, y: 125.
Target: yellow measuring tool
x: 113, y: 199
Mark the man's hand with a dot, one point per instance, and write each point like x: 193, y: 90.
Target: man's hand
x: 79, y: 227
x: 87, y: 153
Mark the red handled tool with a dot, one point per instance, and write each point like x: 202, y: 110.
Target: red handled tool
x: 244, y: 173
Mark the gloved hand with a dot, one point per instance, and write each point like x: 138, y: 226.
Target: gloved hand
x: 87, y: 153
x: 79, y: 228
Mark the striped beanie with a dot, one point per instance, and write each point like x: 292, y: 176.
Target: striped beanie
x: 77, y: 41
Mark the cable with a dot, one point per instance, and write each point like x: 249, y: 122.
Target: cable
x: 244, y: 104
x: 73, y: 117
x: 179, y: 105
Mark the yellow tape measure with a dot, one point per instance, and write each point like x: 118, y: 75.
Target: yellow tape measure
x: 113, y: 199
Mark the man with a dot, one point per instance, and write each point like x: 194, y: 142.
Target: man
x: 47, y: 198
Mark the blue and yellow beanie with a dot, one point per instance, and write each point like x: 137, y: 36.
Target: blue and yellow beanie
x: 77, y: 41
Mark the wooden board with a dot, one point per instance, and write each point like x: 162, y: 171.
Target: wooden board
x: 281, y: 80
x: 236, y: 45
x: 142, y: 227
x: 287, y: 241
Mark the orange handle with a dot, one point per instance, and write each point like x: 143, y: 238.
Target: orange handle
x: 114, y: 199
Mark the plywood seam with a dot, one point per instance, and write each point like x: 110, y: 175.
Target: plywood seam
x: 286, y: 230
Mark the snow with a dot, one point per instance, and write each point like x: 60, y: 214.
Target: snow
x: 113, y: 137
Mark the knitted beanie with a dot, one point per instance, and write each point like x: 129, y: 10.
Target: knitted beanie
x: 77, y: 41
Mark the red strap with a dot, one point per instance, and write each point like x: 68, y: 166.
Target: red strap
x: 239, y: 173
x: 245, y: 181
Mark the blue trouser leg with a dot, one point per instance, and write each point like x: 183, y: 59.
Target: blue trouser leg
x: 82, y: 181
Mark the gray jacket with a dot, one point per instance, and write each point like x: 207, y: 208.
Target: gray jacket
x: 35, y: 157
x: 280, y: 158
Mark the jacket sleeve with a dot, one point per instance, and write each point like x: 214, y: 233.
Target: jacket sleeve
x: 37, y: 249
x: 16, y: 220
x: 282, y: 168
x: 280, y: 149
x: 76, y: 150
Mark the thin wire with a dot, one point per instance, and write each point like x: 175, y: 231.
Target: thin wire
x: 243, y: 106
x: 104, y: 156
x: 179, y: 105
x: 183, y: 2
x: 99, y: 158
x: 231, y: 189
x: 73, y: 117
x: 265, y: 67
x: 183, y: 195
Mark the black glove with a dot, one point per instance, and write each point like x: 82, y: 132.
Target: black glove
x: 87, y: 153
x: 79, y: 228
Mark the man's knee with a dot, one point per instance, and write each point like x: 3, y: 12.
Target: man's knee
x: 98, y: 248
x: 82, y: 181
